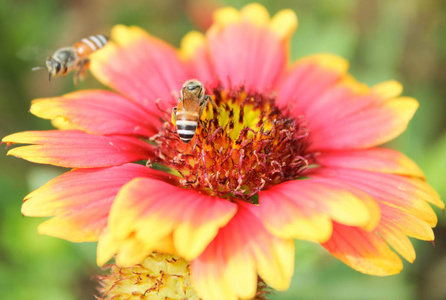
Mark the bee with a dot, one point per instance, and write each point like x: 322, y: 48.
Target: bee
x: 190, y: 107
x: 75, y: 57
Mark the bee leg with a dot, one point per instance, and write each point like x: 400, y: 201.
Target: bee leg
x: 174, y: 113
x: 209, y: 98
x: 76, y: 75
x: 64, y: 71
x: 203, y: 106
x: 83, y: 71
x: 82, y: 68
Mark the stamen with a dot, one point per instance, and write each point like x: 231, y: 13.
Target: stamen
x: 245, y: 145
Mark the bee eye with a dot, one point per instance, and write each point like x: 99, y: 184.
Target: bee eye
x: 58, y: 67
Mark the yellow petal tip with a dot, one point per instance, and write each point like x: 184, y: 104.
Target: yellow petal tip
x: 327, y: 61
x: 124, y: 35
x: 388, y: 89
x: 255, y: 13
x: 405, y: 107
x: 226, y: 15
x: 284, y: 23
x: 62, y: 123
x: 353, y: 85
x: 190, y: 43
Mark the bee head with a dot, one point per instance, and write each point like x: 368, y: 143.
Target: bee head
x: 193, y: 87
x: 53, y: 66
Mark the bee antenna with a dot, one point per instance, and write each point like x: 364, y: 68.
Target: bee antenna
x: 37, y: 68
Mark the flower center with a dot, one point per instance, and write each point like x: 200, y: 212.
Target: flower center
x: 244, y: 146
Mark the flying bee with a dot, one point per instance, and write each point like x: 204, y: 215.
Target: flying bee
x: 188, y: 112
x: 75, y: 57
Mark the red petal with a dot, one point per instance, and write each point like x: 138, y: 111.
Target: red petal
x: 304, y: 209
x: 195, y: 54
x: 308, y: 80
x: 342, y: 113
x: 364, y: 124
x: 374, y: 159
x: 140, y: 66
x: 77, y: 149
x: 247, y: 54
x: 408, y: 194
x: 99, y: 112
x: 363, y: 251
x: 228, y: 268
x: 81, y: 199
x: 401, y: 200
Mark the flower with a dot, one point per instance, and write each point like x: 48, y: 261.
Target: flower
x: 290, y: 153
x: 160, y: 276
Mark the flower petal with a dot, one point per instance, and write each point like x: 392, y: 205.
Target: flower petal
x: 363, y: 251
x: 195, y: 54
x: 366, y: 127
x: 373, y: 159
x: 407, y: 223
x: 99, y: 112
x: 308, y: 80
x: 239, y: 41
x: 408, y: 194
x: 284, y: 23
x: 228, y: 268
x: 303, y: 209
x: 81, y: 199
x: 401, y: 200
x: 396, y: 239
x: 141, y: 67
x: 341, y: 112
x: 149, y: 211
x: 77, y: 149
x: 388, y: 89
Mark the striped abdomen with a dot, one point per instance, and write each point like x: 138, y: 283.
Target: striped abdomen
x: 89, y: 45
x: 186, y: 125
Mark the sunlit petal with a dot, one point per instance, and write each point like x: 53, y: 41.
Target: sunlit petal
x: 77, y: 149
x: 227, y: 268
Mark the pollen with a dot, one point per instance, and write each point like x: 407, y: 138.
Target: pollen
x: 241, y: 146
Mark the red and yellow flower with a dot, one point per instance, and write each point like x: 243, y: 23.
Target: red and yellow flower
x: 291, y: 153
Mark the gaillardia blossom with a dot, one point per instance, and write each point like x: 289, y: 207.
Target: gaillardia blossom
x: 290, y: 153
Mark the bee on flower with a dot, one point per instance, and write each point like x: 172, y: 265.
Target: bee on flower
x: 190, y: 108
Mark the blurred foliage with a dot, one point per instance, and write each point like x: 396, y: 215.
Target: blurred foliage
x: 401, y: 39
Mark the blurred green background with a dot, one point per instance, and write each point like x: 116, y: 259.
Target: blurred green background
x: 400, y: 39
